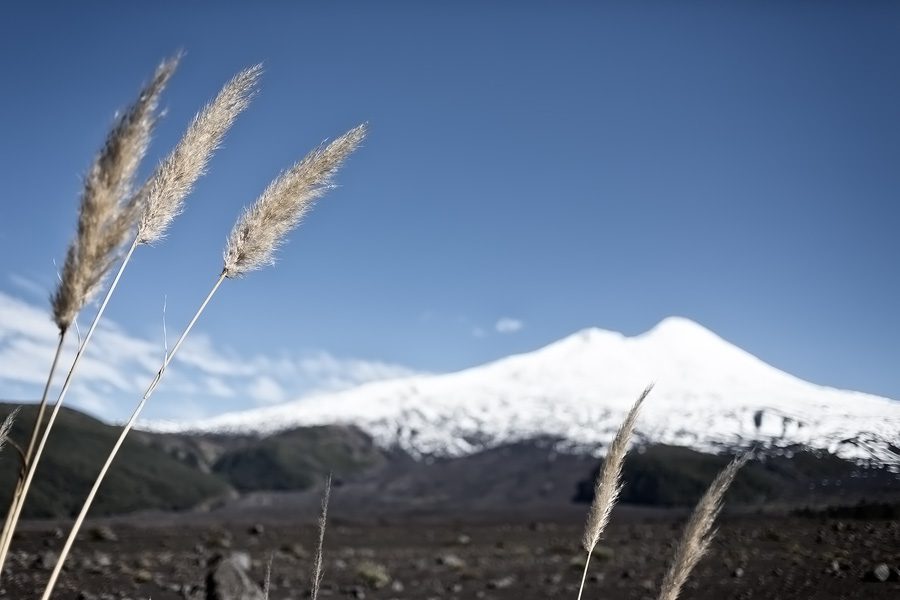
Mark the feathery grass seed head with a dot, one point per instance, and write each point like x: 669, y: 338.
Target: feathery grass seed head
x: 6, y: 427
x: 104, y: 219
x: 263, y: 226
x: 608, y: 484
x: 164, y: 194
x: 318, y: 562
x: 699, y: 532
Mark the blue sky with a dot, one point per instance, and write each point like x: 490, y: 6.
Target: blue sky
x: 535, y: 170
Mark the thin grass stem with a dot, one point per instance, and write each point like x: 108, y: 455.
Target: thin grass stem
x: 124, y: 433
x: 32, y: 467
x: 587, y: 563
x: 318, y: 562
x: 43, y: 406
x: 35, y: 432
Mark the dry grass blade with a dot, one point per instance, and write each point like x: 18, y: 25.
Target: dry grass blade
x: 104, y: 222
x: 333, y: 156
x: 323, y: 519
x: 699, y: 532
x: 267, y: 587
x: 608, y: 484
x: 262, y: 228
x: 7, y: 426
x: 163, y: 196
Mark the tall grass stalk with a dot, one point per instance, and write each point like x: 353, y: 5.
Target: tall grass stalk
x: 318, y: 562
x: 165, y: 193
x: 128, y: 426
x: 277, y: 210
x: 42, y: 407
x: 699, y: 532
x: 36, y: 429
x: 105, y: 218
x: 608, y: 485
x: 7, y: 426
x: 32, y: 467
x: 267, y: 586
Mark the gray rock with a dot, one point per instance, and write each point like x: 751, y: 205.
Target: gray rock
x: 104, y: 533
x: 451, y: 560
x: 101, y: 559
x: 374, y: 575
x: 46, y: 560
x: 228, y: 580
x: 502, y: 583
x: 880, y: 573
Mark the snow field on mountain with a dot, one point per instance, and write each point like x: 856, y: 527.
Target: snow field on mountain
x: 708, y: 394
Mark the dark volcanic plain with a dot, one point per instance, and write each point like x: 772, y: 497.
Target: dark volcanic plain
x: 480, y: 556
x: 502, y: 523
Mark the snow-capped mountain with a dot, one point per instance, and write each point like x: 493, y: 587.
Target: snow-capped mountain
x: 708, y: 393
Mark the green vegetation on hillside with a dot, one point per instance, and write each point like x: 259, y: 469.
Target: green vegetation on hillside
x: 142, y: 477
x: 297, y: 459
x: 173, y: 472
x: 661, y: 475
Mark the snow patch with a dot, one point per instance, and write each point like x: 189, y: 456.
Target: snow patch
x: 709, y: 393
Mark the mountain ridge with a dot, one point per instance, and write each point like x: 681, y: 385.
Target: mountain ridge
x: 709, y: 394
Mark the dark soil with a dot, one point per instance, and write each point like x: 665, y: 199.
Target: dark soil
x: 512, y: 556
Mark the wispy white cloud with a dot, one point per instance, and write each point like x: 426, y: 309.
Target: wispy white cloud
x: 508, y: 325
x: 205, y: 380
x: 265, y: 390
x: 29, y: 286
x: 217, y: 387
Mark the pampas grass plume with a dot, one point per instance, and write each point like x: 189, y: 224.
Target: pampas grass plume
x: 104, y: 222
x: 263, y: 226
x: 164, y: 194
x: 699, y: 532
x: 318, y: 562
x: 6, y: 427
x: 608, y: 484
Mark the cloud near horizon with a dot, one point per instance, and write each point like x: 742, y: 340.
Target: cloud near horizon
x: 204, y: 380
x: 508, y: 325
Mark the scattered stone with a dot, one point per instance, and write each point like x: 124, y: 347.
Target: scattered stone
x: 102, y: 559
x: 143, y: 576
x: 737, y: 573
x: 242, y: 559
x: 295, y: 550
x: 228, y: 579
x: 222, y: 542
x: 501, y: 583
x: 879, y: 573
x: 452, y: 561
x: 103, y: 533
x: 46, y: 560
x: 373, y: 574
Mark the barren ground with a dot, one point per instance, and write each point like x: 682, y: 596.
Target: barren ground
x: 485, y: 557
